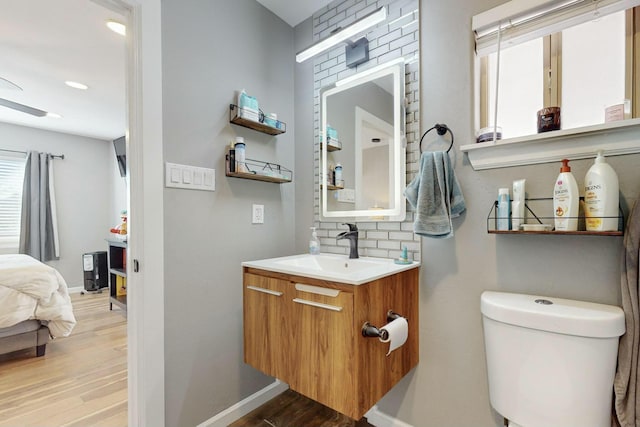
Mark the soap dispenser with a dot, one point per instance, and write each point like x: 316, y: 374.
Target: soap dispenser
x: 314, y: 243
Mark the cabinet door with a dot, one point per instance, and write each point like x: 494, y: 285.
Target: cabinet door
x: 265, y: 328
x: 324, y: 346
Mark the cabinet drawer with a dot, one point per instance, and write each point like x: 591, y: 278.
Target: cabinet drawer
x: 322, y: 298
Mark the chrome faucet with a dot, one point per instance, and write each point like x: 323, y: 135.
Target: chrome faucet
x: 352, y: 235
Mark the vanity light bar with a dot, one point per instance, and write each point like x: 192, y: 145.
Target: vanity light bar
x: 357, y: 27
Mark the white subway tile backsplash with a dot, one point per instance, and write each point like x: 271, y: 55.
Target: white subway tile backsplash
x: 411, y: 246
x: 378, y: 235
x: 386, y: 42
x: 390, y: 226
x: 400, y: 235
x: 338, y: 18
x: 367, y: 243
x: 409, y: 48
x: 367, y: 225
x: 389, y: 56
x: 390, y: 36
x: 379, y: 253
x: 357, y: 7
x: 388, y: 244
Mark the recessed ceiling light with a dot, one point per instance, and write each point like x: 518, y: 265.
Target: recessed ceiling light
x: 76, y: 85
x: 117, y: 27
x: 54, y: 115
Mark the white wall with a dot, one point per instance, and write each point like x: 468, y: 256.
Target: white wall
x: 85, y: 189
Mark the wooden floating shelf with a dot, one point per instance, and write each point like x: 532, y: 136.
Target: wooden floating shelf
x: 252, y: 124
x: 255, y: 164
x: 332, y: 147
x: 492, y: 218
x: 333, y: 187
x: 560, y: 233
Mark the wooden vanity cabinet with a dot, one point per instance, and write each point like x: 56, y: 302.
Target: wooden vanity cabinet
x: 307, y: 333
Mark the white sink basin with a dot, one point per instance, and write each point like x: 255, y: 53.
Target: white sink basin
x: 336, y: 268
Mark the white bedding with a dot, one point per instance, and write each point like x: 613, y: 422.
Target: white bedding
x: 30, y: 289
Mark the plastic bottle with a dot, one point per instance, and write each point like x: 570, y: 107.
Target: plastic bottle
x: 337, y: 175
x: 565, y: 200
x: 314, y: 243
x: 601, y: 196
x: 504, y: 207
x: 240, y: 155
x: 232, y: 157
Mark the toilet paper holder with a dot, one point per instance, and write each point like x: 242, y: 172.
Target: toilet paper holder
x: 370, y: 331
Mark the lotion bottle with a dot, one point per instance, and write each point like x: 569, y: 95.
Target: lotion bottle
x: 566, y: 200
x: 601, y: 196
x: 314, y: 243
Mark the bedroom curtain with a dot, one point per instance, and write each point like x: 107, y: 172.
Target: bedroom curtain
x: 38, y: 228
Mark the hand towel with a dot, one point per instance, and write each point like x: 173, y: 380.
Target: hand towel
x: 627, y: 380
x: 436, y: 196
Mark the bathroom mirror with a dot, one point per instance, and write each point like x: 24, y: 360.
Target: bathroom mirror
x: 363, y: 119
x: 581, y: 58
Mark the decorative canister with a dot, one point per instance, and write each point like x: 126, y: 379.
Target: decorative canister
x: 548, y: 119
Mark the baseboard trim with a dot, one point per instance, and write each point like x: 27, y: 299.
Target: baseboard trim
x: 75, y: 289
x: 380, y: 419
x: 242, y: 408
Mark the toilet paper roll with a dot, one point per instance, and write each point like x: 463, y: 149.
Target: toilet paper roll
x: 397, y: 333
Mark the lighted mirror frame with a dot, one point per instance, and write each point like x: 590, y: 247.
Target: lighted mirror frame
x: 397, y: 210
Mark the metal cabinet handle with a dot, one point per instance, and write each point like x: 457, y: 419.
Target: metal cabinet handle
x: 317, y: 304
x: 317, y: 290
x: 265, y: 291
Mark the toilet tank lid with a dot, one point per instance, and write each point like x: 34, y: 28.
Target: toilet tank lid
x: 562, y: 316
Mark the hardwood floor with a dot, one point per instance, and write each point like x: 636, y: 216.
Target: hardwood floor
x: 80, y: 381
x: 291, y: 409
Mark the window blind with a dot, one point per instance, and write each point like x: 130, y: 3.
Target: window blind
x: 524, y: 20
x: 11, y: 180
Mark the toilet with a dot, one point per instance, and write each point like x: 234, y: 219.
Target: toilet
x: 550, y: 361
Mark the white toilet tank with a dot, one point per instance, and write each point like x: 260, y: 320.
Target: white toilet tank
x: 550, y: 361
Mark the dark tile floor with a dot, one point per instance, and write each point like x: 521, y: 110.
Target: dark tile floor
x: 291, y: 409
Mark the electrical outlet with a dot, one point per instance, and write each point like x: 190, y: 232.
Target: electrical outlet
x: 258, y: 214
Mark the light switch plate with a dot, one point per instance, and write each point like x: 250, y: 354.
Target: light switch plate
x: 258, y: 214
x: 189, y: 177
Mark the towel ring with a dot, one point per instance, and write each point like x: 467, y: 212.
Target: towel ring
x: 441, y: 129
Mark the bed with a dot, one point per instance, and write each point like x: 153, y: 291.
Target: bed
x: 34, y: 304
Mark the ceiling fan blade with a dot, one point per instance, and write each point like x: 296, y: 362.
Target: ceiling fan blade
x: 6, y: 84
x: 22, y: 108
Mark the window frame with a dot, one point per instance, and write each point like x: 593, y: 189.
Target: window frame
x: 10, y: 243
x: 552, y: 69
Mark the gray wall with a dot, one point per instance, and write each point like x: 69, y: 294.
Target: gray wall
x: 449, y: 386
x: 210, y: 51
x: 305, y: 147
x: 206, y: 59
x: 86, y: 186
